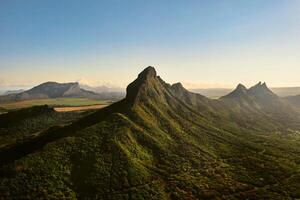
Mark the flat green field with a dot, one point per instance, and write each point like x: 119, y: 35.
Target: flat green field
x: 59, y: 102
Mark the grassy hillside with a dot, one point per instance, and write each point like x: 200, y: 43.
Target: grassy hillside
x: 293, y: 101
x: 161, y: 142
x: 16, y: 126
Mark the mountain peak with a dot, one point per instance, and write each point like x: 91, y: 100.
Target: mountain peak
x: 147, y: 73
x: 56, y: 84
x: 261, y: 90
x: 239, y: 91
x: 143, y: 78
x: 178, y: 88
x: 54, y: 89
x: 259, y: 87
x: 50, y: 89
x: 241, y: 87
x: 177, y: 85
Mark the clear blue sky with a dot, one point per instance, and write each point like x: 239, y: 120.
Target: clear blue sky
x: 212, y: 43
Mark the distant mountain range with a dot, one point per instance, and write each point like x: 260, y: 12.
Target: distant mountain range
x: 116, y: 93
x: 161, y: 142
x: 218, y: 92
x: 50, y: 90
x: 55, y: 90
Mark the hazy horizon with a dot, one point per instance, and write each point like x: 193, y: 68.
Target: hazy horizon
x: 203, y: 44
x: 191, y: 87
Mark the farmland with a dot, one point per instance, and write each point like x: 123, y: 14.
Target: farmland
x: 57, y: 103
x: 78, y: 108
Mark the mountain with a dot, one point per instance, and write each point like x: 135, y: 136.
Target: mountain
x: 260, y: 101
x: 50, y: 90
x: 161, y: 142
x: 254, y: 96
x: 261, y: 92
x: 240, y: 92
x: 13, y: 91
x: 219, y: 92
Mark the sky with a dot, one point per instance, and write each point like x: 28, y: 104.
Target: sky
x: 203, y: 44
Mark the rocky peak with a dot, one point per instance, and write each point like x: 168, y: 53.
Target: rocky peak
x: 148, y: 72
x: 240, y: 91
x: 261, y: 90
x: 147, y: 75
x: 177, y: 86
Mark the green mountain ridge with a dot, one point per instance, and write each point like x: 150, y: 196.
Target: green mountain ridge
x: 163, y: 142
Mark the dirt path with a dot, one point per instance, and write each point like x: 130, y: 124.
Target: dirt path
x: 78, y: 108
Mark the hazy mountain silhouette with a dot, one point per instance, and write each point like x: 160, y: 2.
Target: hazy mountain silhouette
x: 260, y: 101
x: 50, y: 90
x: 219, y: 92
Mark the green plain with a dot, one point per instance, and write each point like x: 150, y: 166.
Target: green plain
x: 58, y: 102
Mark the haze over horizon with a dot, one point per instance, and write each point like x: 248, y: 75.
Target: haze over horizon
x: 202, y: 44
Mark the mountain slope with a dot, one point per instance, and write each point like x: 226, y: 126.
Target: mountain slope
x: 27, y: 122
x: 160, y: 142
x: 293, y: 101
x: 260, y: 101
x: 219, y: 92
x: 50, y: 90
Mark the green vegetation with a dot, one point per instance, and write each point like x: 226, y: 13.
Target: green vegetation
x: 2, y: 110
x: 58, y: 102
x: 161, y: 142
x: 16, y: 126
